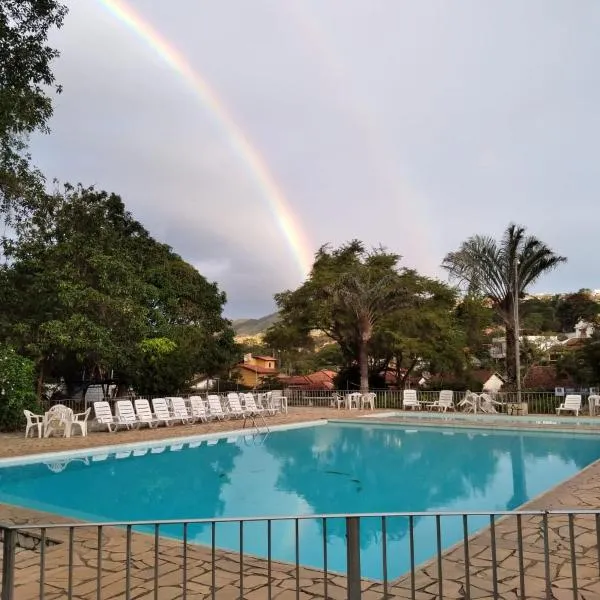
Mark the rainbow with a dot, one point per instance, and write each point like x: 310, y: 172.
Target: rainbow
x: 288, y: 223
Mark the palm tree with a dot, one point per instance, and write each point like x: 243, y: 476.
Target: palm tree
x: 496, y: 269
x: 370, y: 295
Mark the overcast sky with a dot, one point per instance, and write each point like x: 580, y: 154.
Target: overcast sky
x: 413, y: 124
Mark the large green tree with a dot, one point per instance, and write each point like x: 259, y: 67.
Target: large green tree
x: 502, y: 271
x: 377, y: 312
x: 86, y: 289
x: 575, y: 307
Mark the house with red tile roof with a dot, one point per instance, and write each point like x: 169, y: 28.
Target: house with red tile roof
x: 255, y: 369
x: 320, y: 380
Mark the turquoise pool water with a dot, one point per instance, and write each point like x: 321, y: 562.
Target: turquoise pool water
x: 329, y: 468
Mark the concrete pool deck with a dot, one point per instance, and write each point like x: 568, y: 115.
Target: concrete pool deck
x: 580, y: 492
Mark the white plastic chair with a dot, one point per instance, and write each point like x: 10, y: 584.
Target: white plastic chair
x: 409, y: 400
x: 337, y: 400
x: 104, y: 415
x: 125, y: 414
x: 470, y: 403
x: 34, y: 422
x: 353, y: 400
x: 279, y: 401
x: 58, y: 420
x: 487, y: 404
x: 144, y: 413
x: 80, y: 420
x: 572, y: 403
x: 368, y: 400
x: 444, y: 402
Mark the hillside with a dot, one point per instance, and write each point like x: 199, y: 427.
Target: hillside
x: 253, y: 327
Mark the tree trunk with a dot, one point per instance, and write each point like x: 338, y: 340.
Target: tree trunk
x: 363, y: 363
x: 511, y: 367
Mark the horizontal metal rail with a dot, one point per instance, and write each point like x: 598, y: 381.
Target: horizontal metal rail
x: 485, y: 513
x: 91, y: 560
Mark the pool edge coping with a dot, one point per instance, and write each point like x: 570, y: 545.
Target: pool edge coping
x: 57, y: 456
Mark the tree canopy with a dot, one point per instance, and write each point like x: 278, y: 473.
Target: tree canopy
x: 26, y: 82
x: 86, y: 289
x: 382, y: 316
x: 502, y: 271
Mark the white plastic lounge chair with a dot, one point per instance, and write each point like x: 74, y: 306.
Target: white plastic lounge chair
x: 99, y: 457
x: 158, y: 449
x: 251, y: 406
x: 80, y: 421
x: 161, y: 411
x: 34, y: 422
x: 58, y: 420
x: 198, y: 409
x: 176, y: 447
x: 572, y: 403
x: 195, y: 444
x: 368, y: 400
x: 409, y: 400
x: 140, y: 452
x: 179, y: 410
x: 104, y: 415
x: 125, y: 414
x: 212, y: 442
x: 144, y: 412
x: 235, y: 407
x: 123, y: 454
x: 444, y: 402
x: 215, y: 407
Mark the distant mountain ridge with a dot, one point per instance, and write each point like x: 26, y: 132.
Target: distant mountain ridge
x: 252, y: 327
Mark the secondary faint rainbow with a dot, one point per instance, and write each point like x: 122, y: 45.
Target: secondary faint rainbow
x: 288, y: 223
x: 417, y: 232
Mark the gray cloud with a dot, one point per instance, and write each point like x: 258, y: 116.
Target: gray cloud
x: 414, y: 125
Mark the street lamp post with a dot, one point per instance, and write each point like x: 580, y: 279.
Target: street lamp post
x: 517, y: 333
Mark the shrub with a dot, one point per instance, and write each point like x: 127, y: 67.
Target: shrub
x: 17, y: 388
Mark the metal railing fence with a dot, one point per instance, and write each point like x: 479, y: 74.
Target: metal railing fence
x: 536, y: 402
x: 522, y: 554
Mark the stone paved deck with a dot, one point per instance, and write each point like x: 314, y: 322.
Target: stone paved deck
x: 222, y: 577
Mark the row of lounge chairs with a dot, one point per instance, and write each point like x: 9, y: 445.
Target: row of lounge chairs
x: 167, y: 411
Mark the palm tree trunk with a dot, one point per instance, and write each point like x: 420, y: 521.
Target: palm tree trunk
x: 364, y: 337
x: 511, y: 369
x: 363, y: 363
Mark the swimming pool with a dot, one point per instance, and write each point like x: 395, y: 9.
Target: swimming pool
x: 332, y: 468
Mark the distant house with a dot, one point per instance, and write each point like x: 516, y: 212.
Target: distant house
x: 255, y: 369
x: 320, y: 380
x: 583, y: 330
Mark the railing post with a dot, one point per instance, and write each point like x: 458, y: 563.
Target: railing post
x: 8, y: 563
x: 353, y: 560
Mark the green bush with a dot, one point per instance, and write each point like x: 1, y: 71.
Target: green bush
x: 17, y: 389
